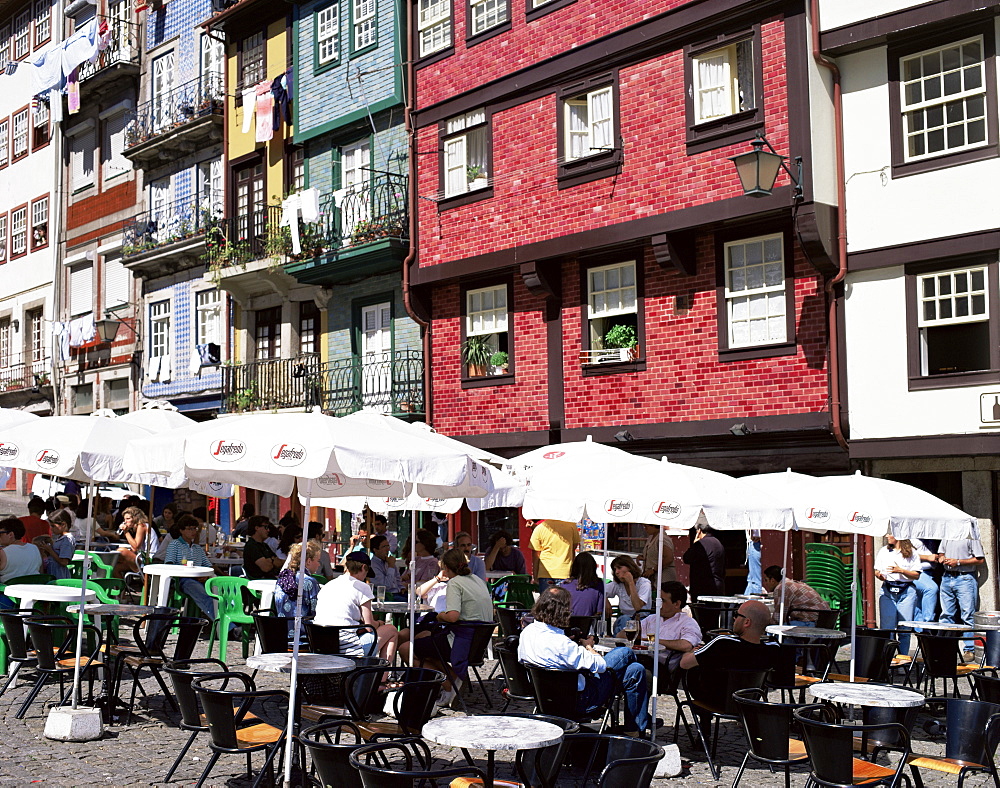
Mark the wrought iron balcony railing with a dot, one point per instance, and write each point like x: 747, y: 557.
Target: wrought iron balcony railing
x: 198, y: 98
x: 17, y: 373
x: 347, y: 218
x: 171, y: 222
x: 386, y: 382
x: 123, y: 47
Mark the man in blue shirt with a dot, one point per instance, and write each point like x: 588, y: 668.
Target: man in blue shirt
x: 186, y: 548
x: 384, y: 571
x: 463, y: 541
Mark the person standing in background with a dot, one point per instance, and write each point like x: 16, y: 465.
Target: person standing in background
x: 706, y: 558
x: 555, y: 543
x: 925, y: 585
x: 897, y: 565
x: 754, y: 580
x: 959, y: 590
x: 650, y: 550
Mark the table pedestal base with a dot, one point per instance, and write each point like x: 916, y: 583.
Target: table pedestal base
x: 65, y: 723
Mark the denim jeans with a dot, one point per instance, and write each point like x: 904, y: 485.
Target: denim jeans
x: 623, y: 667
x: 893, y: 608
x: 753, y: 569
x: 801, y: 623
x: 959, y: 600
x: 927, y: 598
x: 195, y: 589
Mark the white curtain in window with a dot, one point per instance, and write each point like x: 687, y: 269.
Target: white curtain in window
x: 713, y: 86
x: 579, y: 136
x: 601, y: 127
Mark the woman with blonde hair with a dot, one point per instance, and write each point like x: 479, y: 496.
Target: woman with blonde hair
x: 897, y: 565
x: 141, y: 538
x: 287, y: 589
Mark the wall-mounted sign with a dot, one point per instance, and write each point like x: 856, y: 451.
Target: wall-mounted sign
x: 989, y: 408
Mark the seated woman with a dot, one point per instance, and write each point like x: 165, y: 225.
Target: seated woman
x: 141, y: 538
x: 467, y: 599
x: 634, y: 592
x: 286, y: 591
x: 426, y: 564
x: 347, y: 600
x: 502, y: 556
x: 584, y: 586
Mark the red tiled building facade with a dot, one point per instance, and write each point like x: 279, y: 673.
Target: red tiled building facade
x: 574, y: 190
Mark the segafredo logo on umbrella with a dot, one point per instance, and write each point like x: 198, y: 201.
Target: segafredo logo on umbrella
x: 379, y: 484
x: 435, y: 502
x: 331, y: 481
x: 9, y: 451
x: 47, y: 458
x: 617, y: 507
x: 817, y: 514
x: 667, y: 510
x: 553, y: 455
x: 288, y: 454
x: 860, y: 518
x: 228, y: 451
x: 394, y: 503
x: 215, y: 486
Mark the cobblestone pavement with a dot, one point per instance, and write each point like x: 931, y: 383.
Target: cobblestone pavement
x: 140, y: 754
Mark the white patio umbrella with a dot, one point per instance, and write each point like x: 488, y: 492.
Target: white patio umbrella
x: 11, y: 417
x: 868, y: 506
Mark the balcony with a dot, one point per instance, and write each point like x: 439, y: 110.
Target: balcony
x: 23, y: 380
x: 171, y: 237
x: 388, y: 383
x: 185, y: 119
x: 120, y: 59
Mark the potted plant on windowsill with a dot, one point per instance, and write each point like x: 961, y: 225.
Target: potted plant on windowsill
x: 477, y: 177
x: 476, y: 352
x: 623, y: 339
x: 499, y: 362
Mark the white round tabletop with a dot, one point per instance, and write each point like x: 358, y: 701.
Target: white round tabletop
x: 308, y: 663
x: 226, y: 561
x: 178, y: 570
x: 397, y: 607
x: 866, y: 694
x: 805, y: 632
x: 942, y: 625
x: 47, y: 593
x: 262, y: 584
x: 492, y: 733
x: 724, y: 600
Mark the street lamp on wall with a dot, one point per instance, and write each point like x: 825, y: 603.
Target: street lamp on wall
x: 758, y: 169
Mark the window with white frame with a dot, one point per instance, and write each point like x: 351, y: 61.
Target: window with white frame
x: 210, y: 189
x: 117, y: 396
x: 308, y: 327
x: 5, y: 343
x: 328, y: 34
x: 486, y: 323
x: 953, y: 320
x: 612, y: 312
x: 3, y: 238
x: 19, y: 124
x: 36, y: 344
x: 81, y: 159
x: 4, y: 45
x: 117, y: 281
x: 755, y: 291
x: 485, y: 14
x: 159, y: 329
x: 434, y: 26
x: 4, y: 142
x: 18, y: 232
x: 40, y: 123
x: 43, y: 22
x: 81, y: 289
x: 724, y: 81
x: 364, y: 22
x: 22, y: 34
x: 589, y: 123
x: 208, y: 321
x: 113, y: 162
x: 943, y: 96
x: 466, y: 153
x: 253, y: 60
x: 40, y: 223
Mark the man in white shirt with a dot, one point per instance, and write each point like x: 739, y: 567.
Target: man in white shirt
x: 544, y: 644
x: 679, y: 633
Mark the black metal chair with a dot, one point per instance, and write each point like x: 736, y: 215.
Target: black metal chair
x: 330, y: 755
x: 12, y: 624
x: 712, y: 617
x: 830, y: 747
x: 872, y: 659
x: 401, y: 764
x: 985, y: 685
x: 540, y: 768
x: 509, y: 617
x: 719, y: 707
x: 54, y: 641
x: 825, y: 619
x: 226, y: 711
x: 181, y: 674
x: 768, y: 727
x: 472, y: 642
x: 327, y: 639
x: 517, y: 682
x: 555, y: 689
x: 273, y: 632
x: 339, y: 696
x: 412, y: 704
x: 941, y: 657
x: 799, y: 666
x: 972, y: 734
x: 617, y: 760
x: 584, y: 624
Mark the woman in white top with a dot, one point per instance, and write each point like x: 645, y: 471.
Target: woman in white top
x: 897, y: 565
x: 634, y: 592
x: 347, y: 600
x: 141, y: 537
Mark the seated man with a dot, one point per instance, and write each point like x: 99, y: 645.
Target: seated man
x: 679, y: 633
x: 544, y: 644
x: 186, y: 548
x: 744, y: 650
x: 259, y: 560
x: 384, y: 570
x: 16, y: 559
x: 797, y: 595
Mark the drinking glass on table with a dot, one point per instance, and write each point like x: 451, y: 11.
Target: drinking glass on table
x: 631, y: 630
x: 380, y: 593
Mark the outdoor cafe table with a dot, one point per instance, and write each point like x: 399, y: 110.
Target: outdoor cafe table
x: 947, y: 627
x: 492, y: 733
x: 869, y: 694
x: 265, y: 587
x: 724, y: 600
x: 165, y: 573
x: 29, y: 593
x: 312, y: 664
x: 818, y: 633
x: 397, y: 607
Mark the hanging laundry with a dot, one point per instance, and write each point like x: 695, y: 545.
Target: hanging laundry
x: 165, y: 368
x: 80, y: 47
x: 265, y: 105
x: 103, y: 35
x: 73, y: 92
x: 55, y: 106
x: 46, y: 70
x: 81, y: 330
x: 249, y: 104
x: 310, y: 205
x: 282, y: 107
x: 194, y: 364
x: 290, y: 219
x: 11, y: 68
x: 61, y: 332
x: 153, y: 368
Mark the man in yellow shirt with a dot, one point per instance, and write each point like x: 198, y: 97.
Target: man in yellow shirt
x: 554, y: 543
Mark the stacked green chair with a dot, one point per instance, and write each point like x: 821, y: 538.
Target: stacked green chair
x: 514, y: 589
x: 828, y: 572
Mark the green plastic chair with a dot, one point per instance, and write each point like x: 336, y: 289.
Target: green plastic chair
x: 228, y: 593
x: 519, y: 590
x: 110, y: 622
x: 42, y: 580
x: 321, y: 579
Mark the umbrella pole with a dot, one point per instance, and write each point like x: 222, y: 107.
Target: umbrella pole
x: 657, y: 602
x: 784, y: 572
x: 292, y: 703
x: 84, y: 573
x: 413, y: 582
x: 854, y: 604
